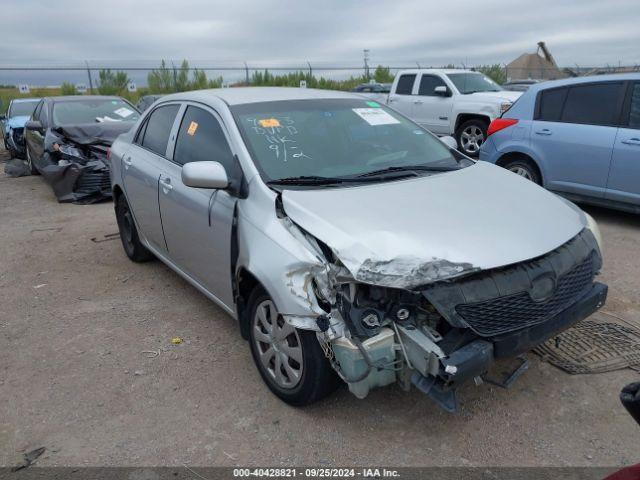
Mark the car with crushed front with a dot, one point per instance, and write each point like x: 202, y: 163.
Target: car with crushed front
x: 67, y: 141
x: 18, y: 113
x: 349, y: 242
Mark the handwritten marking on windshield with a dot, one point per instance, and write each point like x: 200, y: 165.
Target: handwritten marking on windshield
x: 278, y: 133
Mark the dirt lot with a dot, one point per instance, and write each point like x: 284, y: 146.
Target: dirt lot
x: 77, y: 316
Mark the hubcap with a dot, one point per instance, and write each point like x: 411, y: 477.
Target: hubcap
x: 472, y: 139
x: 278, y: 346
x: 523, y: 172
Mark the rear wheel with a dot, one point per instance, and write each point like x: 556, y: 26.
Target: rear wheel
x: 471, y: 135
x: 524, y: 168
x: 290, y: 361
x: 134, y: 249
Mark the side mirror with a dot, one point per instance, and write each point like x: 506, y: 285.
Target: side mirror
x: 442, y: 91
x: 449, y: 141
x: 204, y: 175
x: 33, y: 125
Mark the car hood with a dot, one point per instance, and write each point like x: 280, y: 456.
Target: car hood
x: 501, y: 96
x: 414, y: 232
x: 17, y: 122
x: 103, y: 133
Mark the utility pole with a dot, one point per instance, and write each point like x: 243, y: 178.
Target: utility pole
x: 366, y: 63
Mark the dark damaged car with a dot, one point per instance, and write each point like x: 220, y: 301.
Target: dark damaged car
x: 350, y: 242
x: 68, y: 139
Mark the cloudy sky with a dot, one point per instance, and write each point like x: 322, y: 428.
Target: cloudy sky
x: 326, y: 32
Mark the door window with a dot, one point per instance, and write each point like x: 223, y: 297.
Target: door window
x: 551, y: 102
x: 405, y: 84
x: 201, y: 139
x: 42, y: 115
x: 36, y: 113
x: 595, y: 104
x: 156, y: 135
x: 634, y: 114
x: 428, y: 84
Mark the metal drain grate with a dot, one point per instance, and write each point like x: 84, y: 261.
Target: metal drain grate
x: 594, y: 346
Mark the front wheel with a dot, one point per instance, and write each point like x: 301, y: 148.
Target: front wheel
x: 290, y: 361
x: 470, y: 136
x: 134, y: 249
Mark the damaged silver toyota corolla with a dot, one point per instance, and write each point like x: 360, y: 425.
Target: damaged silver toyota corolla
x: 349, y: 242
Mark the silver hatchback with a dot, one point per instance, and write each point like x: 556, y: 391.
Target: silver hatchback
x: 351, y: 244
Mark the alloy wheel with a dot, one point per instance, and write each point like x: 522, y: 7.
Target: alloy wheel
x: 278, y: 346
x: 523, y: 172
x: 472, y: 139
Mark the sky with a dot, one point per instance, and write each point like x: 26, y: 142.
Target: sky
x: 326, y: 33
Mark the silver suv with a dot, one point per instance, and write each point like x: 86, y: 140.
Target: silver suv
x: 349, y: 242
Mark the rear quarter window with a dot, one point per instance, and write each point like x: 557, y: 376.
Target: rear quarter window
x: 550, y: 104
x: 405, y: 84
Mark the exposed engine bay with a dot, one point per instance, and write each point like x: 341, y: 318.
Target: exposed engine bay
x: 440, y: 335
x: 75, y: 161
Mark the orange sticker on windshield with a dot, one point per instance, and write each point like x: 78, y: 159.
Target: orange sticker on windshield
x: 269, y: 123
x: 193, y: 126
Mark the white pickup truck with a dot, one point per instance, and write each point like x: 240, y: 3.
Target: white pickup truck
x: 461, y: 103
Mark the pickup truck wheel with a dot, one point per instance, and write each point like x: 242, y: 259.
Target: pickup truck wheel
x: 290, y: 361
x: 134, y: 249
x: 471, y: 135
x: 525, y: 169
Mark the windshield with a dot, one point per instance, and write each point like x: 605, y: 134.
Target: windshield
x: 337, y: 138
x: 95, y: 110
x: 22, y: 109
x: 473, y: 82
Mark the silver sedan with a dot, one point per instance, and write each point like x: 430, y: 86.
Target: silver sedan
x: 351, y: 244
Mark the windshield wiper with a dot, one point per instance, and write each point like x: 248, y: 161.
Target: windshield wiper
x: 305, y: 180
x: 408, y: 169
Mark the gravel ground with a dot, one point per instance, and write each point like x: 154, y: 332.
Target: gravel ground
x: 77, y: 316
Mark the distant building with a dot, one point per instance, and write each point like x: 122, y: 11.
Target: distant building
x: 534, y: 66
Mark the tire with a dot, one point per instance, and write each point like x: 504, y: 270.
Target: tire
x: 32, y: 167
x: 471, y: 135
x: 129, y: 233
x: 525, y: 168
x: 296, y: 349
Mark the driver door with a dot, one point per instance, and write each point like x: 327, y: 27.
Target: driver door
x: 198, y: 222
x: 432, y: 110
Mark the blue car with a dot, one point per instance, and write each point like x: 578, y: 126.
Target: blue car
x: 579, y: 138
x: 19, y: 111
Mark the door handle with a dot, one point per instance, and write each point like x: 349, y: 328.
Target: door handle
x: 544, y: 131
x: 166, y: 184
x: 632, y: 141
x: 127, y: 162
x: 418, y: 102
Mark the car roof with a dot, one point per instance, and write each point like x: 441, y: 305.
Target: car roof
x: 243, y: 95
x: 23, y: 100
x: 578, y: 80
x: 78, y: 98
x: 437, y: 70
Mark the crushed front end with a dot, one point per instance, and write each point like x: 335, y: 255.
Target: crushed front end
x: 439, y: 336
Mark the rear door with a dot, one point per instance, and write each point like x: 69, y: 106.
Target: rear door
x: 197, y: 222
x: 402, y: 97
x: 573, y: 133
x: 432, y: 110
x: 142, y: 165
x: 624, y: 178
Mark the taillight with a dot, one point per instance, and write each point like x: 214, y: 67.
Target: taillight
x: 108, y: 153
x: 500, y: 124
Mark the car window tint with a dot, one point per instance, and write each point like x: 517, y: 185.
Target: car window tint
x: 36, y: 113
x: 634, y: 115
x: 428, y: 83
x: 201, y: 139
x: 42, y: 115
x: 405, y: 84
x: 592, y: 104
x: 156, y: 135
x: 551, y: 102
